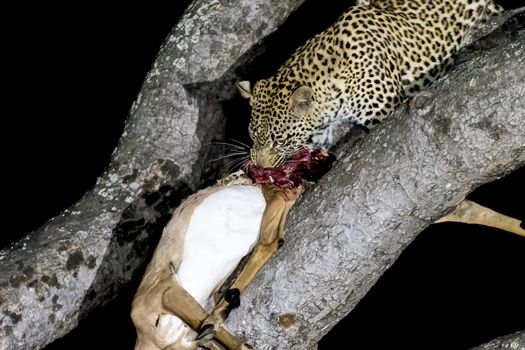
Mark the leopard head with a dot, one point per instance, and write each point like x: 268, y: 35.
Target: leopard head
x: 283, y: 118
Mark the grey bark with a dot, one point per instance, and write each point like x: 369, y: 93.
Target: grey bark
x: 467, y: 130
x: 82, y: 258
x: 514, y: 341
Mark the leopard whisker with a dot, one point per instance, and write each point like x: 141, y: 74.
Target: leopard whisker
x: 229, y: 155
x: 227, y: 144
x: 242, y: 144
x: 236, y: 163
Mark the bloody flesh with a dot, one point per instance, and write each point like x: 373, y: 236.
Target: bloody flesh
x: 305, y: 164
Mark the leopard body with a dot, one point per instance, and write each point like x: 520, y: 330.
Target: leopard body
x: 358, y: 70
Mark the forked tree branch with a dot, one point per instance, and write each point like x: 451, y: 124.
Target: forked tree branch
x: 84, y: 257
x: 379, y: 196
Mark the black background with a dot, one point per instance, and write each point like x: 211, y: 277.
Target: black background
x: 70, y: 76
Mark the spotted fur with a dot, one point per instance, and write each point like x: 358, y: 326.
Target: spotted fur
x: 358, y: 70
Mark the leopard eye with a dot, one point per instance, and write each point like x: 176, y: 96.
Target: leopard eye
x: 279, y: 141
x: 252, y: 131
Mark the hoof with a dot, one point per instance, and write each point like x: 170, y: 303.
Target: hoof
x: 233, y: 298
x: 223, y: 315
x: 207, y: 332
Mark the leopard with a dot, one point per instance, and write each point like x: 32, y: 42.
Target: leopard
x: 359, y: 70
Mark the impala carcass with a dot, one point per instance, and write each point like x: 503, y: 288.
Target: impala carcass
x: 201, y: 245
x: 178, y: 304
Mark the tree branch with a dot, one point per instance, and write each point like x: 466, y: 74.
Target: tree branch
x: 469, y: 129
x: 82, y: 258
x: 514, y: 341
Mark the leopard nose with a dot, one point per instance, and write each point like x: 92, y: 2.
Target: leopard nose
x: 265, y: 157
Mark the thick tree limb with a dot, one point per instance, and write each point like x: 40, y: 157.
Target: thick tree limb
x: 82, y: 258
x: 514, y: 341
x: 341, y: 236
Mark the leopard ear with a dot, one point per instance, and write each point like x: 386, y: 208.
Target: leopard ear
x: 302, y: 99
x: 244, y: 88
